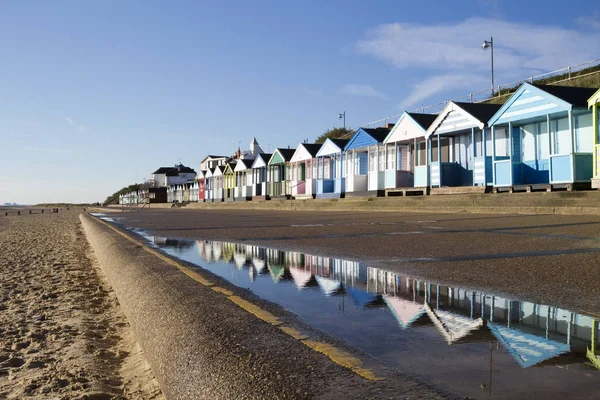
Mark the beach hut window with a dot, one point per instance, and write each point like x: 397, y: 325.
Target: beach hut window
x: 391, y: 158
x: 529, y: 134
x: 372, y: 161
x: 276, y: 174
x: 584, y: 133
x: 502, y: 142
x: 561, y: 138
x: 421, y: 155
x: 381, y: 158
x: 361, y: 163
x: 302, y: 172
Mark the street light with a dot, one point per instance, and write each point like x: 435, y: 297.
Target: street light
x: 343, y: 115
x: 490, y: 45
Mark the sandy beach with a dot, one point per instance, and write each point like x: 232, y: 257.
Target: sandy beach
x: 62, y: 333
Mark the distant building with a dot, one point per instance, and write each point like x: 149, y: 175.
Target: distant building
x: 167, y: 176
x: 212, y: 161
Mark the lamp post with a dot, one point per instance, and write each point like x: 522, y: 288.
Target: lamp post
x: 490, y: 45
x: 343, y: 116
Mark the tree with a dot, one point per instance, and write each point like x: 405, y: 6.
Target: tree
x: 335, y: 133
x: 126, y: 189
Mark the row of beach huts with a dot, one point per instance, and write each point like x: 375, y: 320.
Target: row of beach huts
x: 542, y: 138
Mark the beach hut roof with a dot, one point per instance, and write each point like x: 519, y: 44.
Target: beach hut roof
x: 595, y: 98
x: 425, y: 120
x: 410, y: 126
x: 367, y: 137
x: 534, y: 101
x: 305, y: 151
x: 332, y: 146
x: 576, y: 96
x: 458, y: 116
x: 281, y: 155
x: 261, y: 160
x: 243, y: 164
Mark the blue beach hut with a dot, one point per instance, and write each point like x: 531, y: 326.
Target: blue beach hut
x: 365, y: 155
x: 462, y: 139
x: 330, y: 169
x: 543, y: 135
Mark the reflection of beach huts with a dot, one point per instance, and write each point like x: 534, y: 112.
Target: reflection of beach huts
x: 330, y: 287
x: 543, y: 135
x: 365, y: 160
x: 405, y: 149
x: 331, y: 169
x: 594, y: 103
x: 303, y: 166
x: 592, y: 352
x: 462, y: 143
x: 259, y: 176
x: 276, y: 262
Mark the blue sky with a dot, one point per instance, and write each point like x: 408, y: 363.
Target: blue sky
x: 95, y: 95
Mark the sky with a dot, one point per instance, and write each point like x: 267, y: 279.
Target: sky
x: 96, y: 95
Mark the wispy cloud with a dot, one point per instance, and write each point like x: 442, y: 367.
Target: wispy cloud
x: 432, y: 85
x: 590, y: 21
x: 521, y: 50
x: 362, y: 90
x: 78, y: 127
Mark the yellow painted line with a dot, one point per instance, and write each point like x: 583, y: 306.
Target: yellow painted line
x: 256, y: 310
x: 222, y: 290
x: 294, y: 333
x: 342, y: 358
x: 338, y: 356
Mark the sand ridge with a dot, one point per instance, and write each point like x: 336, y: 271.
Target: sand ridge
x: 62, y: 333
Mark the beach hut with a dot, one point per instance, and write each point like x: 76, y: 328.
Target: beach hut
x: 209, y: 183
x: 406, y: 160
x: 543, y: 135
x: 218, y: 192
x: 279, y: 176
x: 170, y: 194
x: 243, y: 180
x: 201, y: 178
x: 259, y: 176
x: 461, y: 137
x: 593, y: 103
x: 303, y: 165
x: 365, y: 159
x: 331, y: 169
x: 229, y: 182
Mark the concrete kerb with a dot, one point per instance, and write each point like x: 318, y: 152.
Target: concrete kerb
x: 149, y: 294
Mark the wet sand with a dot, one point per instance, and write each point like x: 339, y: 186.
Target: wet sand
x: 62, y: 333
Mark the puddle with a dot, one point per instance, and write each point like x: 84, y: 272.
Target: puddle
x: 463, y: 342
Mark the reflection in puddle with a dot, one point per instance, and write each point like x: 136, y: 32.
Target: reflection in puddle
x: 461, y: 341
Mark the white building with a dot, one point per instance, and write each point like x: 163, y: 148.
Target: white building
x: 167, y: 176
